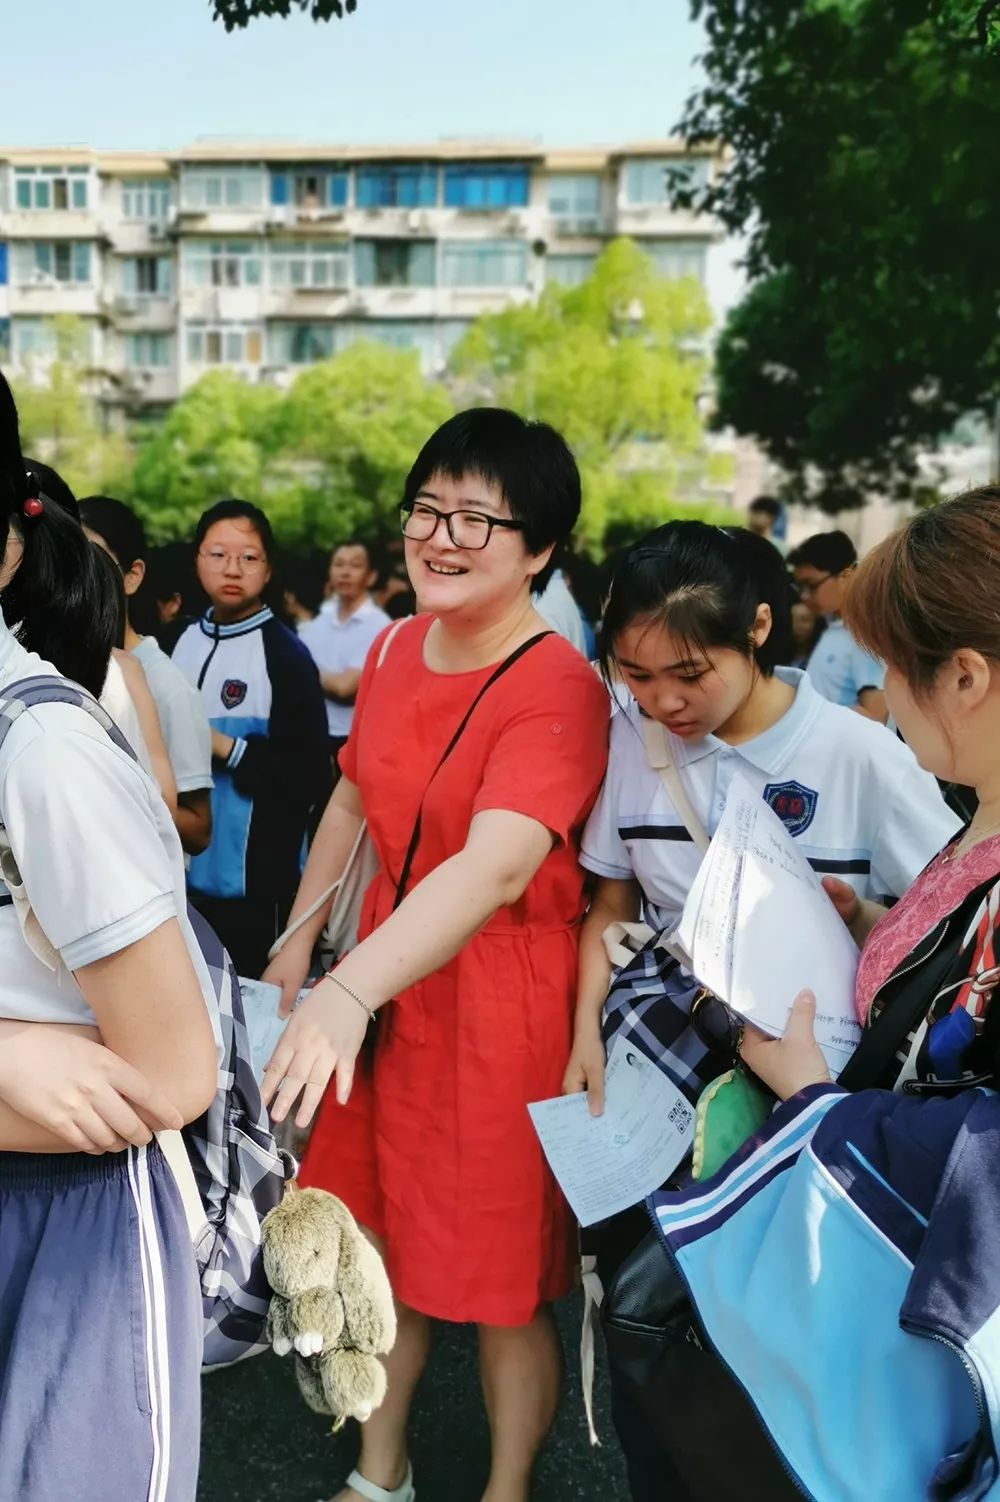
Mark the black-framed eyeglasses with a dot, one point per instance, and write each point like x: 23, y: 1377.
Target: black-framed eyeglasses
x: 467, y: 529
x: 811, y: 586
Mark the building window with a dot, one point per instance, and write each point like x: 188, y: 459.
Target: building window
x: 569, y: 271
x: 147, y: 351
x: 300, y: 343
x: 394, y: 263
x: 486, y: 185
x: 39, y: 261
x: 32, y: 338
x: 397, y: 185
x: 310, y: 188
x: 647, y: 179
x: 3, y: 263
x: 223, y: 263
x: 146, y: 198
x: 205, y: 188
x: 676, y: 257
x: 575, y: 201
x: 147, y: 276
x: 51, y: 187
x: 224, y: 344
x: 484, y: 263
x: 308, y: 263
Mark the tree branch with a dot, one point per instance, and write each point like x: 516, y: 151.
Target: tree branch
x: 237, y: 14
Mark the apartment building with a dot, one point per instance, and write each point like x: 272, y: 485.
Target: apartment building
x: 265, y: 258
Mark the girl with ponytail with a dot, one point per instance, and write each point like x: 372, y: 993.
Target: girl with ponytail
x: 106, y: 1036
x: 58, y: 600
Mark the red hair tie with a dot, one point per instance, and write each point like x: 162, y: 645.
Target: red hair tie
x: 32, y: 507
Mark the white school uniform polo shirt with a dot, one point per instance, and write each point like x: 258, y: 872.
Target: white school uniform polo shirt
x: 852, y: 796
x: 338, y: 646
x: 186, y: 732
x: 840, y: 669
x: 96, y: 848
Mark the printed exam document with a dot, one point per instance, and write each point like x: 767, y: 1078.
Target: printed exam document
x: 758, y: 928
x: 607, y: 1163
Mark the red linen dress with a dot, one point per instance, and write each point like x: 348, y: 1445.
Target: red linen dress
x: 435, y: 1150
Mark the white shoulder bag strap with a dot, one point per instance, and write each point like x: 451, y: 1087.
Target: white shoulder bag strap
x: 661, y: 759
x: 622, y: 941
x: 356, y: 848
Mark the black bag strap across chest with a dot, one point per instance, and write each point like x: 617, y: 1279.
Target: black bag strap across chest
x: 505, y: 667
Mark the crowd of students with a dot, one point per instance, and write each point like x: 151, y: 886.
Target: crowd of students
x: 508, y: 793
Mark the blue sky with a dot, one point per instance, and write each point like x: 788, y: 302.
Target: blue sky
x: 149, y: 73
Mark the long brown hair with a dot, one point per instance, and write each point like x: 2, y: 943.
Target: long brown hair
x: 932, y: 588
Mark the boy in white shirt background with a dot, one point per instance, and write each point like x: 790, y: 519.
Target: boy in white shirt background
x: 840, y: 670
x: 340, y: 636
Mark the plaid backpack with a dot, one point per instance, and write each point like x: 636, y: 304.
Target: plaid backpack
x: 238, y: 1169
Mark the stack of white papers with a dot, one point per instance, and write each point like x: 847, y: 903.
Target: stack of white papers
x: 757, y: 928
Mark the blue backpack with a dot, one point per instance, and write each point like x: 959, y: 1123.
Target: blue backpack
x: 239, y: 1171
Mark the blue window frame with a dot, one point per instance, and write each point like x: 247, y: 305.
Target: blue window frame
x: 397, y: 185
x: 310, y: 187
x: 486, y: 185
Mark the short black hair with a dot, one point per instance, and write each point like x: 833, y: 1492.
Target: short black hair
x: 768, y: 505
x: 354, y: 542
x: 118, y: 526
x: 705, y: 585
x: 529, y: 463
x: 304, y: 576
x: 232, y: 510
x: 830, y: 552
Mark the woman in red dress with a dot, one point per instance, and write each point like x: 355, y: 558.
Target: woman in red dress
x: 428, y: 1138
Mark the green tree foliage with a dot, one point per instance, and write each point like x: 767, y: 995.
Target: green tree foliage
x: 355, y: 424
x: 865, y: 175
x: 61, y: 420
x: 616, y: 365
x: 216, y: 441
x: 326, y: 459
x: 236, y: 14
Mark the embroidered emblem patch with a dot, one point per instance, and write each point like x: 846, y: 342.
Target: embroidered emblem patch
x: 234, y: 691
x: 794, y: 804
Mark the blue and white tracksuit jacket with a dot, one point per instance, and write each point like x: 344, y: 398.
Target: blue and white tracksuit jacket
x: 844, y: 1265
x: 259, y: 685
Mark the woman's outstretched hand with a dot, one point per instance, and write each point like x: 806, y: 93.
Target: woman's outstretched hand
x: 788, y: 1064
x: 323, y: 1038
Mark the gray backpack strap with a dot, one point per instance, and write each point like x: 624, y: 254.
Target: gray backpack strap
x: 25, y: 694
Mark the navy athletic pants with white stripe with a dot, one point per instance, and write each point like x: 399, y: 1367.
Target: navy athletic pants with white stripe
x: 100, y: 1331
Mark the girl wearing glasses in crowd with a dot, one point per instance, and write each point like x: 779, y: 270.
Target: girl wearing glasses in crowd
x: 261, y: 692
x: 696, y: 622
x: 472, y: 970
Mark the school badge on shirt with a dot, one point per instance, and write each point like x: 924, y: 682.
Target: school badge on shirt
x: 794, y: 804
x: 234, y: 691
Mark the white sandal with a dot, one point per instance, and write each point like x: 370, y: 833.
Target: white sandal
x: 373, y: 1493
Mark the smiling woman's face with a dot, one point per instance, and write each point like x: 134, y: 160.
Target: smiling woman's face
x: 475, y: 584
